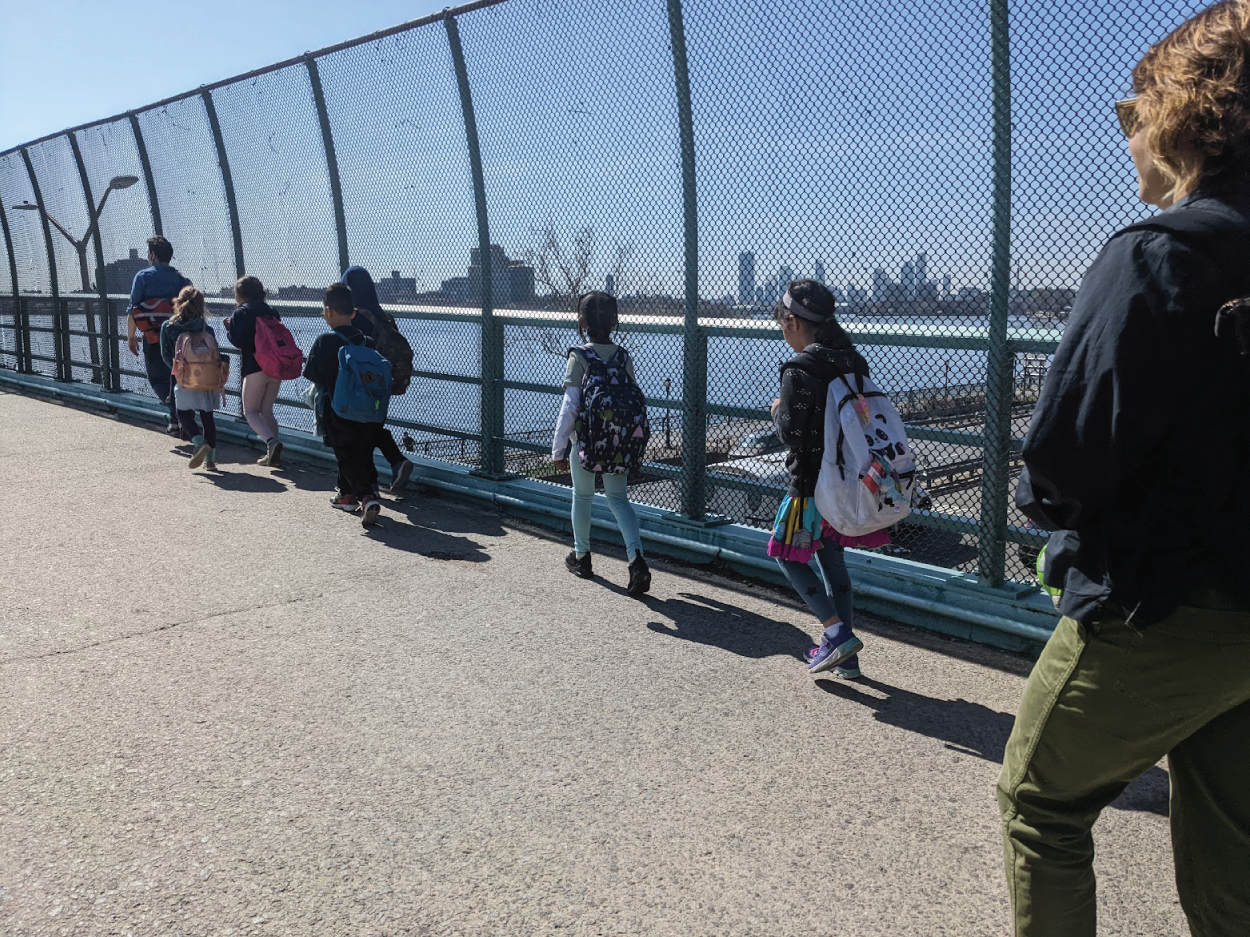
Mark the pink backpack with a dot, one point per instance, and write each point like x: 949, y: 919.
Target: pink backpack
x: 198, y: 364
x: 276, y: 351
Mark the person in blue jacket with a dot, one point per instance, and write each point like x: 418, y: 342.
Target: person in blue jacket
x: 151, y: 304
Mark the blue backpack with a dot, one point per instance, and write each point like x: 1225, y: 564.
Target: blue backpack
x: 612, y: 428
x: 363, y: 389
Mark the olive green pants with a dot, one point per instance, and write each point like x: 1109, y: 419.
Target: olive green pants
x: 1104, y: 703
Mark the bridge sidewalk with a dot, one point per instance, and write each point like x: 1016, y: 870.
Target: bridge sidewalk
x: 227, y: 709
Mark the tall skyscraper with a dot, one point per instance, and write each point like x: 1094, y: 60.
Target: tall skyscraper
x: 946, y: 286
x: 922, y: 267
x: 785, y: 276
x: 746, y: 278
x: 820, y: 271
x: 907, y: 281
x: 609, y: 285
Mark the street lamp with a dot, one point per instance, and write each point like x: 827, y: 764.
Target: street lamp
x: 80, y: 246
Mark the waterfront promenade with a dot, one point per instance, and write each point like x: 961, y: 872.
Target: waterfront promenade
x: 227, y: 709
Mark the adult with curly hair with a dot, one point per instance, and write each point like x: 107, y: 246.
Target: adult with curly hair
x: 1136, y: 458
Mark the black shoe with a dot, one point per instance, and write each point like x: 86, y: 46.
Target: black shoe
x: 580, y: 568
x: 639, y: 576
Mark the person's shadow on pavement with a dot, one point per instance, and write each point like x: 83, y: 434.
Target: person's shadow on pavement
x: 974, y: 730
x: 706, y: 621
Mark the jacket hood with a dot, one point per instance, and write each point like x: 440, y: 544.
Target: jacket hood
x: 191, y: 325
x: 364, y: 293
x: 828, y: 361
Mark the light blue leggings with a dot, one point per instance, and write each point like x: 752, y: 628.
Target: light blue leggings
x: 616, y: 489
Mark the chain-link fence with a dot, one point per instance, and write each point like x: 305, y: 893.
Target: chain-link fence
x: 948, y: 170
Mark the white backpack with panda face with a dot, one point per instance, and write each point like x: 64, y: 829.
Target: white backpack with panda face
x: 867, y: 473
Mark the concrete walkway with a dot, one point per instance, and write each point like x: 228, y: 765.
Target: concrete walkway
x: 227, y: 709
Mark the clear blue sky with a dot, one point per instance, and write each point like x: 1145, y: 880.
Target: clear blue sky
x: 67, y: 62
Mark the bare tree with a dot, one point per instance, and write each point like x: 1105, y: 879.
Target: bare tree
x: 564, y: 265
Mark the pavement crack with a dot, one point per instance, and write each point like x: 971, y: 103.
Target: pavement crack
x: 157, y: 630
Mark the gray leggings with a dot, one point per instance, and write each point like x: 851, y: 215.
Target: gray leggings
x: 833, y: 595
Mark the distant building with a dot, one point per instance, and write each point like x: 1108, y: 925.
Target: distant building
x: 609, y: 285
x: 907, y: 281
x: 302, y: 294
x: 883, y: 288
x: 119, y: 275
x: 820, y: 272
x: 397, y: 290
x: 747, y: 292
x: 946, y: 286
x: 521, y: 282
x: 512, y: 281
x: 455, y: 290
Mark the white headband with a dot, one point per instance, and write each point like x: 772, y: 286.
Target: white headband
x: 798, y: 309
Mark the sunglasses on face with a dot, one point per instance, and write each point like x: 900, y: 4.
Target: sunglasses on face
x: 1130, y: 121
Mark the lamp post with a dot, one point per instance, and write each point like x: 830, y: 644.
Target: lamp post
x: 80, y: 247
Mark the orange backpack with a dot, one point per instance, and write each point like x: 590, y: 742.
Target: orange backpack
x: 198, y: 363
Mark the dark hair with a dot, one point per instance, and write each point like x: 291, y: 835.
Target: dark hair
x: 816, y: 299
x: 161, y: 248
x: 598, y: 311
x: 338, y: 299
x: 250, y: 288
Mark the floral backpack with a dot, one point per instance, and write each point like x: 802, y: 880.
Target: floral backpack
x: 612, y: 427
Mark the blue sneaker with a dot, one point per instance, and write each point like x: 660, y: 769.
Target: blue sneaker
x: 828, y: 655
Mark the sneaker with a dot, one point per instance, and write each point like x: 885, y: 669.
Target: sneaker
x: 211, y: 462
x: 401, y: 472
x: 173, y: 429
x: 639, y: 576
x: 828, y: 655
x: 202, y: 449
x: 273, y: 454
x: 579, y: 568
x: 348, y: 503
x: 372, y: 508
x: 847, y: 670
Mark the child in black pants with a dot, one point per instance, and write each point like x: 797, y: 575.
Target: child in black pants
x: 353, y: 443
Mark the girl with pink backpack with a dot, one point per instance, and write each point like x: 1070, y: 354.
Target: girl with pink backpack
x: 189, y: 347
x: 268, y: 356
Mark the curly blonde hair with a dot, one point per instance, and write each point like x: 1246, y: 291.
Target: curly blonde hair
x: 1193, y: 91
x: 188, y: 305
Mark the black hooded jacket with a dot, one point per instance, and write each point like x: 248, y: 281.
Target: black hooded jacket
x: 1140, y: 443
x: 800, y: 415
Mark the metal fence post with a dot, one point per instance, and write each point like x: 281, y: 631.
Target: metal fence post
x: 149, y: 180
x: 100, y: 374
x: 227, y: 181
x: 991, y: 536
x: 64, y: 372
x: 694, y: 339
x: 492, y: 420
x: 19, y: 332
x: 332, y: 162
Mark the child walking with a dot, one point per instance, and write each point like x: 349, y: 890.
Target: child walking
x: 824, y: 350
x: 353, y: 441
x: 189, y: 317
x: 259, y: 391
x: 604, y: 415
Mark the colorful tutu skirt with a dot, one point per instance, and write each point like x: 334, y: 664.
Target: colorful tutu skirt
x: 799, y: 531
